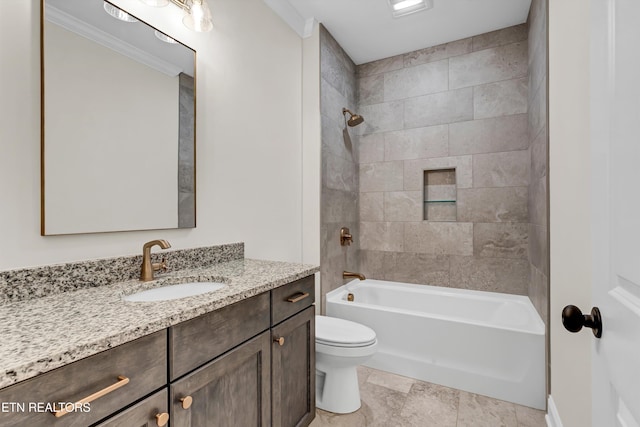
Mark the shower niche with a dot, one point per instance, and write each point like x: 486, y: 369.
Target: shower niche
x: 440, y: 195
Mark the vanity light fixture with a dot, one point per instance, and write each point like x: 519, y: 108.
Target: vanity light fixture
x: 406, y: 7
x: 197, y: 14
x: 155, y: 3
x: 165, y: 38
x: 118, y: 13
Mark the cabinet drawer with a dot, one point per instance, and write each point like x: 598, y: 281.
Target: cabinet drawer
x: 291, y: 298
x: 126, y: 373
x: 197, y: 341
x: 151, y: 412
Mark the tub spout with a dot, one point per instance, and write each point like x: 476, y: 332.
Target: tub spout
x: 348, y: 274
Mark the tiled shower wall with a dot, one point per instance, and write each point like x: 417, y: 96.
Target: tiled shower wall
x: 339, y: 193
x: 461, y: 105
x: 539, y: 142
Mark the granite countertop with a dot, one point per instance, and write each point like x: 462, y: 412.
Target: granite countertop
x: 42, y: 334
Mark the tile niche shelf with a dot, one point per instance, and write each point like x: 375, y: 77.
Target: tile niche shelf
x: 440, y: 195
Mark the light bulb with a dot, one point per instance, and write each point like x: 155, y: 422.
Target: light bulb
x: 198, y: 18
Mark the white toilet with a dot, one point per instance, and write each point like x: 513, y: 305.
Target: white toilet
x: 341, y: 345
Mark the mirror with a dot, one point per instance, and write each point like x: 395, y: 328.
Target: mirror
x: 118, y: 133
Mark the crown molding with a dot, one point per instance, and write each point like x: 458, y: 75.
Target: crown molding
x: 75, y: 25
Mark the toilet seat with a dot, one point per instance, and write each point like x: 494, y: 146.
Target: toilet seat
x: 335, y: 332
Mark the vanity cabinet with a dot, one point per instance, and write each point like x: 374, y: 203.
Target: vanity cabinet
x: 293, y: 370
x: 232, y: 390
x: 122, y: 374
x: 293, y: 363
x: 251, y: 363
x: 151, y: 412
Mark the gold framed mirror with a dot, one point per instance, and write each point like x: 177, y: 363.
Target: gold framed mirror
x: 118, y: 122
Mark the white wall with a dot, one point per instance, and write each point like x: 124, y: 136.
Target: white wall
x: 311, y: 150
x: 249, y: 170
x: 569, y: 175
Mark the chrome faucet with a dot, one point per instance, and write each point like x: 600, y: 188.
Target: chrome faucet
x: 146, y: 273
x: 348, y: 274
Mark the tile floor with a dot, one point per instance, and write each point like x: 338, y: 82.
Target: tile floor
x: 390, y: 400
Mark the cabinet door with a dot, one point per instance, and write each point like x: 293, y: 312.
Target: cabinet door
x: 230, y: 391
x: 293, y: 370
x: 151, y: 412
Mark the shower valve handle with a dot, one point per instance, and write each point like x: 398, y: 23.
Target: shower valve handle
x: 573, y: 320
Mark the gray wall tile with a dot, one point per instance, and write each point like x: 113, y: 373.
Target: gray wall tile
x: 489, y: 65
x: 538, y: 248
x: 507, y: 204
x: 539, y: 138
x: 386, y: 176
x: 372, y: 207
x: 539, y: 292
x: 501, y: 240
x: 327, y: 40
x: 494, y: 135
x: 417, y: 143
x: 382, y: 236
x: 414, y: 171
x: 371, y: 89
x: 371, y: 148
x: 508, y: 169
x: 339, y: 206
x: 403, y: 206
x: 333, y: 139
x: 439, y: 238
x: 538, y: 197
x: 437, y: 53
x: 472, y: 117
x: 539, y: 150
x: 408, y: 267
x: 537, y: 67
x: 439, y: 108
x: 381, y: 117
x: 444, y: 211
x: 332, y: 101
x: 339, y: 192
x: 380, y: 66
x: 538, y: 110
x: 371, y: 264
x: 537, y: 25
x: 509, y: 276
x: 508, y: 35
x: 338, y: 173
x: 500, y: 99
x: 415, y: 81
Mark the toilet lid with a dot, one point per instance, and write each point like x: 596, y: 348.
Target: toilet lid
x: 343, y: 333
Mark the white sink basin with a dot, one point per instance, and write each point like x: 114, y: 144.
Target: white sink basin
x: 169, y: 292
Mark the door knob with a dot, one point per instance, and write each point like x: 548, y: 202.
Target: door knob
x: 573, y: 320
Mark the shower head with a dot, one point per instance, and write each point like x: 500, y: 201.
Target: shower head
x: 354, y: 120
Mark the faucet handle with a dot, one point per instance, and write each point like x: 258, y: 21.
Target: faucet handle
x: 163, y: 264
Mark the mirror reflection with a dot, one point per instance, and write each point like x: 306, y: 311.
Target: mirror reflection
x: 118, y: 143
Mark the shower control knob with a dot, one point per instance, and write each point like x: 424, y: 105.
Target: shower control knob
x: 573, y: 320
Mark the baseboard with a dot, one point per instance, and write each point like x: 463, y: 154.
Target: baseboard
x: 552, y: 418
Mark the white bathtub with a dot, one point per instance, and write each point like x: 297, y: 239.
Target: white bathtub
x: 482, y: 342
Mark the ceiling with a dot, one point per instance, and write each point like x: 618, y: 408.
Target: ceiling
x: 367, y: 31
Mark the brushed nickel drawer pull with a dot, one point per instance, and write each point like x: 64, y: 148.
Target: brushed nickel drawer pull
x: 298, y: 297
x: 97, y: 395
x: 162, y: 419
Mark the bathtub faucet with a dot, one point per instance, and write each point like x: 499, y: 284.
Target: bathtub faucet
x: 348, y: 274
